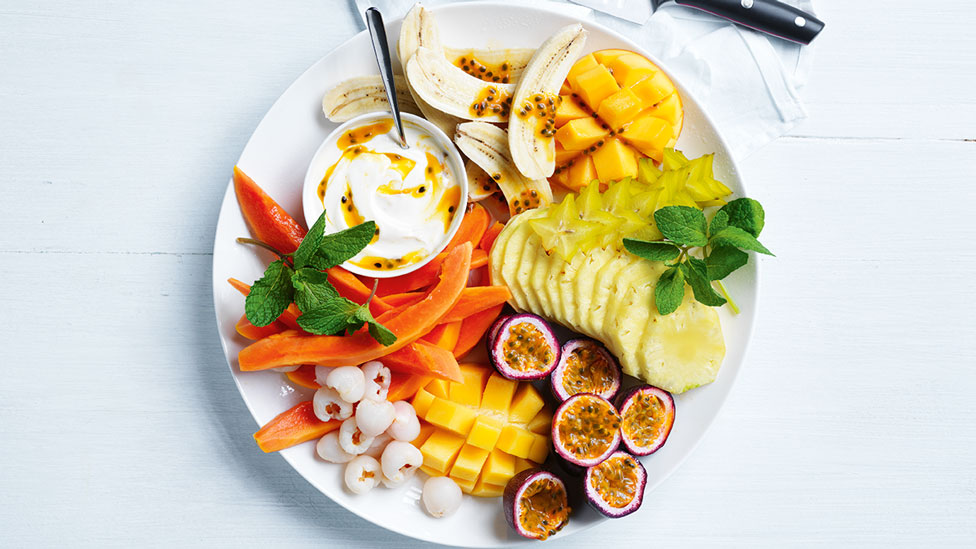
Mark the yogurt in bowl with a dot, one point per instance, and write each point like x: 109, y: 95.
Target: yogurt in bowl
x: 415, y: 196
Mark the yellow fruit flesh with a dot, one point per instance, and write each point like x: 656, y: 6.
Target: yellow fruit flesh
x: 616, y: 480
x: 587, y: 371
x: 586, y: 427
x: 543, y: 508
x: 481, y: 446
x: 645, y: 420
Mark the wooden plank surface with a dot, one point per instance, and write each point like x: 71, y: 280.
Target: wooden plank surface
x: 851, y: 424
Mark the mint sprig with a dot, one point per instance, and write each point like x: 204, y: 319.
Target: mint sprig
x: 733, y: 229
x: 299, y: 278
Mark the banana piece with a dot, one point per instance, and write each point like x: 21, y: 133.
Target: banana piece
x: 530, y: 139
x: 487, y: 146
x: 364, y: 94
x: 419, y: 29
x: 449, y: 89
x: 480, y: 184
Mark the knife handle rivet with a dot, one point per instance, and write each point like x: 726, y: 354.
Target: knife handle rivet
x: 746, y: 4
x: 799, y: 21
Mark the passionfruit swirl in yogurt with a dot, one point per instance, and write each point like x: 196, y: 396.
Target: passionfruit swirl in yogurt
x: 411, y: 194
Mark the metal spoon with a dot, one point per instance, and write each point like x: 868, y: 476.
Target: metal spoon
x: 374, y: 21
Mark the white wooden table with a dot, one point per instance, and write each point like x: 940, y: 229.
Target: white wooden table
x: 852, y: 424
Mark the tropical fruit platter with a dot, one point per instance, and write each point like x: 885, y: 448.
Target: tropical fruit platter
x: 494, y: 323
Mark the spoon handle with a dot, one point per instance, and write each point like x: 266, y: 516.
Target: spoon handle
x: 374, y: 21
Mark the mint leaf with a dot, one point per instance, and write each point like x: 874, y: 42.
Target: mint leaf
x: 270, y: 295
x: 719, y: 221
x: 312, y: 288
x: 653, y: 251
x: 734, y: 236
x: 724, y: 260
x: 669, y: 291
x: 311, y: 243
x: 746, y: 214
x: 682, y: 225
x: 337, y: 248
x: 696, y: 272
x: 331, y: 317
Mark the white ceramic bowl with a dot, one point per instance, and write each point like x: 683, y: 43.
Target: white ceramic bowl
x: 325, y: 157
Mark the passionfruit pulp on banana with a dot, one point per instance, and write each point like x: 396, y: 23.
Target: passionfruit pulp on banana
x: 585, y: 366
x: 536, y: 504
x: 647, y: 415
x: 615, y: 486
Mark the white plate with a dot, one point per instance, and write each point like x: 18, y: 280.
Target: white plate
x: 277, y: 157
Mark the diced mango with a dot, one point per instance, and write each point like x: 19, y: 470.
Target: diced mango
x: 438, y: 387
x: 569, y: 109
x: 516, y: 441
x: 594, y: 85
x: 631, y: 67
x: 581, y: 173
x: 522, y: 464
x: 668, y: 109
x: 526, y: 404
x: 431, y: 471
x: 422, y: 401
x: 498, y: 394
x: 483, y: 489
x: 606, y: 57
x: 582, y: 65
x: 563, y: 156
x: 649, y: 135
x: 450, y: 415
x: 615, y: 161
x: 653, y: 89
x: 468, y: 464
x: 440, y: 449
x: 485, y: 431
x: 499, y: 468
x: 619, y: 108
x: 541, y: 423
x: 426, y: 429
x: 539, y: 449
x: 579, y: 134
x: 467, y: 486
x: 469, y: 391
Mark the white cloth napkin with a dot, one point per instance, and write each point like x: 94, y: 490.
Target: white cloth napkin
x: 749, y: 83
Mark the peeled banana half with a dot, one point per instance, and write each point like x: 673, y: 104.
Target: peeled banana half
x: 532, y: 126
x: 487, y: 146
x: 419, y: 29
x: 364, y: 94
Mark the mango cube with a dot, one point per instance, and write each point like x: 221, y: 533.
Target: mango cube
x: 467, y: 486
x: 569, y: 109
x: 539, y: 449
x: 649, y: 135
x: 563, y: 156
x: 582, y: 65
x: 422, y: 401
x: 468, y: 464
x: 516, y: 441
x: 440, y: 449
x: 485, y: 431
x: 526, y: 404
x: 606, y: 57
x: 483, y: 489
x: 653, y: 89
x: 469, y: 391
x: 579, y: 134
x: 668, y: 109
x: 594, y: 85
x: 615, y: 161
x: 541, y: 423
x: 426, y: 429
x: 438, y: 387
x: 499, y: 468
x: 619, y: 108
x: 581, y: 173
x: 450, y: 416
x: 498, y: 394
x: 629, y: 68
x: 522, y: 464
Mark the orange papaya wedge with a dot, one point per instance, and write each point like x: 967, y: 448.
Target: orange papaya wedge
x: 406, y: 298
x: 475, y: 299
x: 405, y: 386
x: 444, y: 335
x: 473, y: 225
x: 426, y: 359
x: 304, y: 376
x: 408, y: 324
x: 350, y: 287
x: 422, y: 277
x: 473, y: 329
x: 293, y: 426
x: 269, y: 222
x: 290, y: 315
x: 250, y: 331
x: 488, y: 240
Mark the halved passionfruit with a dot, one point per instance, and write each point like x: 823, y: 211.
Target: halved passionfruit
x: 585, y: 366
x: 647, y: 415
x: 524, y: 347
x: 536, y: 504
x: 615, y: 486
x: 585, y: 429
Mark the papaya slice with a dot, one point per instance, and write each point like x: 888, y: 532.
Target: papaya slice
x: 293, y: 426
x: 490, y: 235
x: 422, y: 277
x: 423, y: 358
x: 304, y: 376
x: 408, y: 324
x: 270, y: 223
x: 444, y: 335
x: 473, y: 329
x: 472, y: 228
x: 476, y: 299
x: 250, y: 331
x: 405, y: 386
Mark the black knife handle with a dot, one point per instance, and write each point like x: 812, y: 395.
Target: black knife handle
x: 769, y: 16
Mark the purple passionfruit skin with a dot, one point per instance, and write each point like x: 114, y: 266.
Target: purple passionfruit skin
x: 597, y: 500
x: 501, y: 352
x: 558, y: 444
x: 625, y: 405
x: 516, y: 488
x: 493, y: 330
x: 556, y: 382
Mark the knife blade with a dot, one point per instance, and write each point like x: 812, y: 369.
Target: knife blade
x: 769, y: 16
